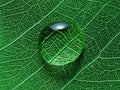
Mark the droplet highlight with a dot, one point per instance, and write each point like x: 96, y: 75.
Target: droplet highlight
x: 59, y: 26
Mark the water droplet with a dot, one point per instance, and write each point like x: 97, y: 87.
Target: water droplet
x: 61, y: 43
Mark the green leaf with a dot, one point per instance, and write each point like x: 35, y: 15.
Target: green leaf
x: 22, y: 21
x: 61, y: 47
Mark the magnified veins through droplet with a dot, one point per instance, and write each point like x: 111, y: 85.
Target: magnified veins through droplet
x: 61, y: 43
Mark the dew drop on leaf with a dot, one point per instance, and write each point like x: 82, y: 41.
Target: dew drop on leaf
x: 61, y: 43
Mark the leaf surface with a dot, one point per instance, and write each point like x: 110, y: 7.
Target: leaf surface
x: 21, y: 22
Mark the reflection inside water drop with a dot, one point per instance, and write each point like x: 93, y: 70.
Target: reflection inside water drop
x: 59, y: 26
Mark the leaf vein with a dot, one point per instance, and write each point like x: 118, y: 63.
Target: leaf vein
x: 31, y: 26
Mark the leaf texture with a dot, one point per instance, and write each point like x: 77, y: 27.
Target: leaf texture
x: 21, y: 22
